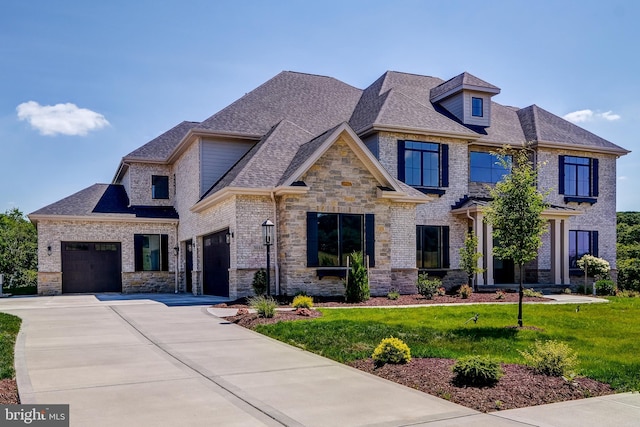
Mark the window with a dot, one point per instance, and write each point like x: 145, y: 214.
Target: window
x: 331, y: 237
x: 578, y: 178
x: 432, y: 246
x: 160, y: 187
x: 581, y: 243
x: 486, y: 167
x: 476, y: 107
x: 151, y: 252
x: 423, y: 164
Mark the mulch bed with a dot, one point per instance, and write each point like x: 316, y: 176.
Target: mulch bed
x: 519, y: 387
x: 9, y: 392
x: 250, y: 320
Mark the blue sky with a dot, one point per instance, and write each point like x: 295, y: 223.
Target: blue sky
x: 84, y: 83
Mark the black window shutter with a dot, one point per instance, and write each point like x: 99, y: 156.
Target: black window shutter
x: 444, y: 165
x: 401, y: 176
x: 164, y: 252
x: 445, y: 247
x: 594, y: 177
x: 312, y: 239
x: 370, y: 238
x: 561, y: 175
x: 594, y: 243
x: 137, y: 250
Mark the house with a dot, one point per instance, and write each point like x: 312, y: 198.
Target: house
x: 399, y: 170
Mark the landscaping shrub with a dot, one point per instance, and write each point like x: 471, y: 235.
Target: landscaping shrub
x: 553, y: 358
x: 265, y: 306
x: 442, y: 291
x: 596, y: 267
x: 357, y: 285
x: 566, y: 291
x: 259, y: 283
x: 531, y: 293
x: 627, y: 294
x: 393, y: 295
x: 629, y: 274
x: 391, y: 350
x: 302, y: 301
x: 477, y: 371
x: 428, y: 287
x: 465, y: 291
x: 500, y: 294
x: 605, y: 287
x: 584, y: 290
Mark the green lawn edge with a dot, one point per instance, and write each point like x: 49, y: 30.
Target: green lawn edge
x: 9, y: 328
x: 603, y: 335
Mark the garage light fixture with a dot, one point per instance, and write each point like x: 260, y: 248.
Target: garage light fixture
x: 176, y: 250
x: 49, y: 250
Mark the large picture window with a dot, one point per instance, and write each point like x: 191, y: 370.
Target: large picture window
x: 432, y: 247
x: 151, y: 252
x: 578, y: 176
x: 423, y: 164
x: 581, y: 243
x: 331, y: 237
x: 486, y: 167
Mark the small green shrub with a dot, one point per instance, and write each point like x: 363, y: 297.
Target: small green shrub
x: 465, y: 291
x: 553, y: 358
x: 477, y: 371
x: 442, y: 291
x: 627, y: 294
x: 531, y: 293
x: 605, y: 287
x: 584, y: 290
x: 567, y: 291
x: 302, y: 301
x: 427, y: 286
x: 391, y: 350
x: 357, y: 284
x: 596, y: 267
x: 393, y: 295
x: 259, y: 283
x: 265, y: 306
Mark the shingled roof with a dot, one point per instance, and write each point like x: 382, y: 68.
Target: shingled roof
x: 161, y: 147
x: 460, y: 82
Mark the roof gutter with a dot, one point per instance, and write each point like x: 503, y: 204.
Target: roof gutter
x: 420, y: 131
x: 34, y: 218
x: 619, y: 151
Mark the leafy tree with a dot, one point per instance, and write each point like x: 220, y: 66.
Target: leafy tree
x: 18, y: 250
x: 516, y: 215
x: 469, y: 257
x: 628, y: 247
x: 357, y: 283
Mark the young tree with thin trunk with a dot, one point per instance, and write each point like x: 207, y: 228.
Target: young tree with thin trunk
x: 516, y: 214
x: 469, y: 257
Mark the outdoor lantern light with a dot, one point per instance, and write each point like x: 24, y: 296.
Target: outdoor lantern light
x: 176, y: 249
x: 267, y: 240
x: 49, y: 250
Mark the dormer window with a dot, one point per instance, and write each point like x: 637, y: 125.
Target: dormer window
x: 476, y: 107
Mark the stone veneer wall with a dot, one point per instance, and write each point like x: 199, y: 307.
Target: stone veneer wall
x: 340, y: 183
x: 137, y: 181
x: 52, y: 233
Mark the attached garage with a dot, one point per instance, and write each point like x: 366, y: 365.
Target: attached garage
x: 89, y: 267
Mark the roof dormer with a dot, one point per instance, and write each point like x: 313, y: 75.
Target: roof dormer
x: 466, y: 97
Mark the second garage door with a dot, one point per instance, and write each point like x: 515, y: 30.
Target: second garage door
x: 91, y: 267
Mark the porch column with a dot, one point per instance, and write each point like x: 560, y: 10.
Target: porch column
x: 488, y: 254
x: 565, y: 252
x: 480, y: 235
x: 556, y: 251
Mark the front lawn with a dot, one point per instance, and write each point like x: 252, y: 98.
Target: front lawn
x: 603, y: 335
x: 9, y: 328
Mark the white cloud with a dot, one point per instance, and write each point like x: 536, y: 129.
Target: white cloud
x: 582, y: 116
x: 65, y: 119
x: 622, y: 178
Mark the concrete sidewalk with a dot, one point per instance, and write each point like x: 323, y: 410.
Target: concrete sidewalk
x: 141, y: 363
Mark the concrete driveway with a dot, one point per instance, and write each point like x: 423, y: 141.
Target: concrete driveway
x: 138, y: 362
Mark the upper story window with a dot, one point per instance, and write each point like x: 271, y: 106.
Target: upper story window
x: 432, y: 246
x: 578, y: 178
x: 160, y: 187
x: 151, y: 252
x: 423, y: 164
x: 331, y: 237
x: 477, y: 107
x: 580, y: 244
x: 486, y: 167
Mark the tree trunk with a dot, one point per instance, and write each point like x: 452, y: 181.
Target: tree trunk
x: 521, y: 294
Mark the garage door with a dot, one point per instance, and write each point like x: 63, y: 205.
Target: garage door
x: 91, y: 267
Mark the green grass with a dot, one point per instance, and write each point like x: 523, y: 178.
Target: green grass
x: 605, y: 336
x: 9, y: 328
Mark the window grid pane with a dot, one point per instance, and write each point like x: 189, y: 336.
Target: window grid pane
x: 422, y: 164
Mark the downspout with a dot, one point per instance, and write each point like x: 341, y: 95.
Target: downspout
x: 275, y: 244
x: 177, y: 258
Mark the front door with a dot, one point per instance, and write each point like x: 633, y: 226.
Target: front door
x: 216, y: 263
x: 503, y: 271
x: 188, y: 267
